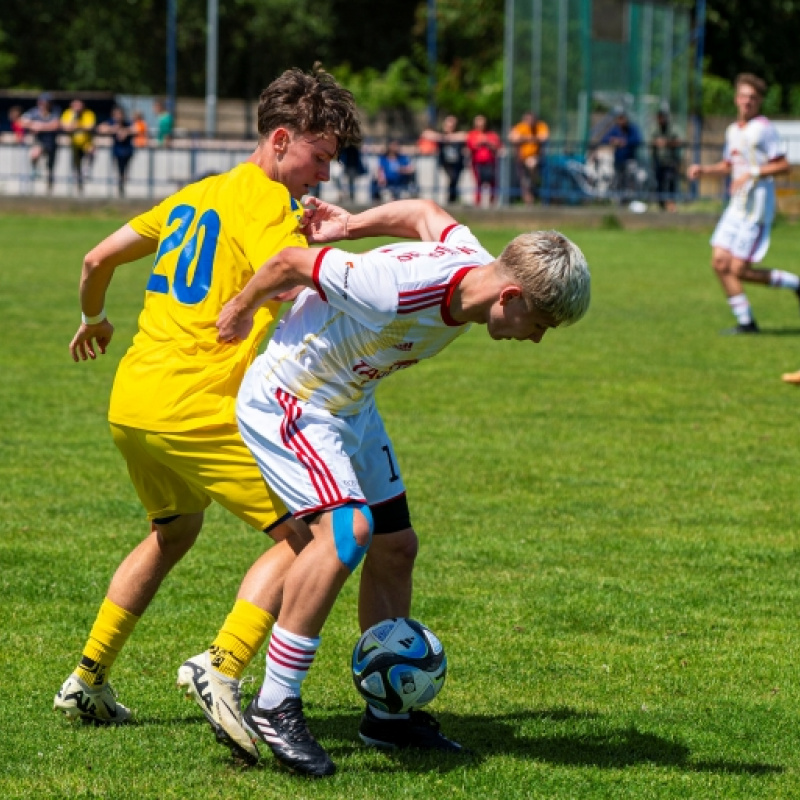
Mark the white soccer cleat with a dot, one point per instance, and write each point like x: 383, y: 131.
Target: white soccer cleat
x: 218, y: 697
x: 77, y: 700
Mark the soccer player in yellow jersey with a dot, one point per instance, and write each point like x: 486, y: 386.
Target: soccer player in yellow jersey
x: 172, y: 406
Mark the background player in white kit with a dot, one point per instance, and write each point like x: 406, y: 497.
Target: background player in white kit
x: 753, y: 155
x: 306, y: 409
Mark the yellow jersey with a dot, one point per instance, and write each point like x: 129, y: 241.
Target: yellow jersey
x: 82, y: 137
x: 212, y: 237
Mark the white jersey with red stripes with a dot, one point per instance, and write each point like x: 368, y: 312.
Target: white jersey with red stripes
x: 372, y: 314
x: 753, y: 144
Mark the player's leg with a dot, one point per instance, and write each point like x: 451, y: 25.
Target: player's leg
x: 175, y: 511
x: 77, y: 167
x: 384, y: 592
x: 727, y: 243
x: 305, y: 455
x: 751, y: 248
x: 217, y: 461
x: 51, y: 166
x: 340, y: 539
x: 387, y: 580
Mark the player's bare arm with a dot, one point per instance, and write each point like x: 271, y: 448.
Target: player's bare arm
x: 292, y: 267
x: 696, y: 170
x: 408, y: 219
x: 95, y: 331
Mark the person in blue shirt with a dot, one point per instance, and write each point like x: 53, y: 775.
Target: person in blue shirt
x: 395, y: 174
x: 626, y: 139
x: 122, y: 132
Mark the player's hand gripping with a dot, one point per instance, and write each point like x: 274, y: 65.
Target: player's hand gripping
x: 234, y: 323
x: 90, y: 338
x: 324, y: 222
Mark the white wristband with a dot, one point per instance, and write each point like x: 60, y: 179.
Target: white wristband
x: 755, y: 172
x: 93, y: 320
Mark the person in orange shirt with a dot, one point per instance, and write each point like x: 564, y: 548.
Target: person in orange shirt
x: 528, y: 137
x: 139, y: 130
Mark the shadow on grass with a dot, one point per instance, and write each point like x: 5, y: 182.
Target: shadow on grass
x: 780, y: 332
x: 489, y: 735
x: 500, y: 735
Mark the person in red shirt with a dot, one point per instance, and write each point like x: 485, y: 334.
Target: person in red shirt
x: 483, y: 145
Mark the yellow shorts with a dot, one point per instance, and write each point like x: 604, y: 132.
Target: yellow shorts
x: 181, y: 473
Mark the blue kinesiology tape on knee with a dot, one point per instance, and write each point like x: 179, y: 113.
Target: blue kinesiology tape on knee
x: 347, y: 548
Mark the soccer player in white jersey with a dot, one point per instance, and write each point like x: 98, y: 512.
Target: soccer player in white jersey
x: 307, y: 411
x: 753, y: 155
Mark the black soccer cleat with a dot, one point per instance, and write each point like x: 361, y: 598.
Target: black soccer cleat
x: 420, y: 731
x: 737, y: 330
x: 286, y: 732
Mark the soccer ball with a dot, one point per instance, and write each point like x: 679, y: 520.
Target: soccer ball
x: 398, y: 665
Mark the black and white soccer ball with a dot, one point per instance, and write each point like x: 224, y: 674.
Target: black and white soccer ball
x: 399, y: 664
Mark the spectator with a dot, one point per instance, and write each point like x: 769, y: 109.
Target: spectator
x: 666, y: 144
x: 625, y: 138
x: 352, y: 168
x: 450, y: 145
x: 140, y: 130
x: 122, y: 132
x: 528, y: 137
x: 165, y: 123
x: 15, y: 123
x: 44, y: 122
x: 396, y: 174
x: 79, y: 122
x: 483, y: 145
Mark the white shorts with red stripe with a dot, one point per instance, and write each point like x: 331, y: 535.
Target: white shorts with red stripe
x: 314, y: 460
x: 743, y: 238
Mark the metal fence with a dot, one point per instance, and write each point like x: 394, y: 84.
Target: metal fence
x: 570, y: 174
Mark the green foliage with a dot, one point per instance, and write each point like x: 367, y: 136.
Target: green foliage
x: 609, y: 550
x: 717, y: 96
x: 400, y: 86
x: 7, y: 58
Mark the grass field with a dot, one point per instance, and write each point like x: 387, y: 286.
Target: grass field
x: 609, y: 550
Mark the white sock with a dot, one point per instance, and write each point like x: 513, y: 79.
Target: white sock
x: 740, y: 306
x: 289, y: 657
x: 783, y: 280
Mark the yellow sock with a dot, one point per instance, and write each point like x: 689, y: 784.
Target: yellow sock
x: 109, y: 633
x: 240, y: 638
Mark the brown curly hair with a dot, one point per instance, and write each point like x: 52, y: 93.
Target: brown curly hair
x: 309, y: 102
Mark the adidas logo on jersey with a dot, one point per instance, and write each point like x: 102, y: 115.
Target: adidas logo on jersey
x: 404, y: 346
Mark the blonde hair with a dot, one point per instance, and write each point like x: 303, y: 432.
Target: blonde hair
x: 552, y: 273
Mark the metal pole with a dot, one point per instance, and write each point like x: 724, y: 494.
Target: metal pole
x: 697, y: 116
x: 508, y: 95
x: 536, y: 57
x: 212, y: 37
x: 172, y: 55
x: 432, y: 57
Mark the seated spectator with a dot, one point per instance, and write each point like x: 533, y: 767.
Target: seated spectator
x: 395, y: 175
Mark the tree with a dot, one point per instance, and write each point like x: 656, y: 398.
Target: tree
x: 756, y: 36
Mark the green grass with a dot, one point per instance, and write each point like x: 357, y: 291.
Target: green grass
x: 609, y: 549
